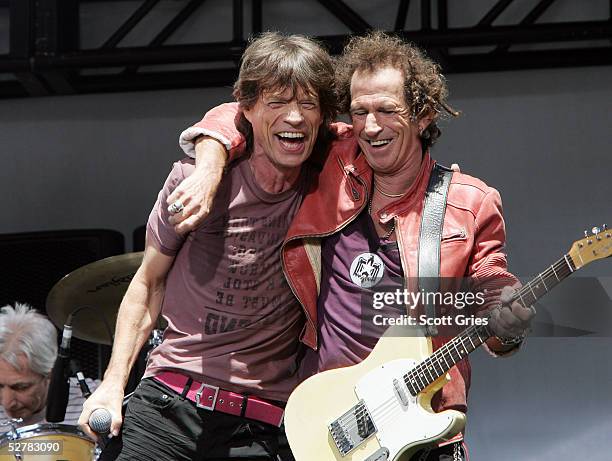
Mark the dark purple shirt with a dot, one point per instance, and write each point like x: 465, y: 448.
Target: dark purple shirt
x: 355, y: 264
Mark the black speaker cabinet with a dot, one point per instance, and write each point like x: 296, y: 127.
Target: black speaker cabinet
x: 138, y: 238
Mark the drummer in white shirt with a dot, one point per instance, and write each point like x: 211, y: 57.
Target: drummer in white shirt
x: 28, y: 349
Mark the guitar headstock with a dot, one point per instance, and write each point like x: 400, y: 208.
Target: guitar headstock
x: 592, y: 247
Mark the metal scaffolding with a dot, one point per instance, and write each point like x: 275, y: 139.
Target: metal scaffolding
x: 45, y: 56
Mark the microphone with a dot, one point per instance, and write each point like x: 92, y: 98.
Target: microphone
x: 59, y: 387
x: 100, y: 421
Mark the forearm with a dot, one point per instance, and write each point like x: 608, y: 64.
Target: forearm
x: 137, y: 317
x: 210, y: 155
x: 488, y: 267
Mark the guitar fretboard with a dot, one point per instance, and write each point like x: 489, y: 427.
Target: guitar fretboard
x: 455, y: 350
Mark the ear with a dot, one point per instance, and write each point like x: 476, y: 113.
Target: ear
x: 248, y: 114
x: 425, y: 121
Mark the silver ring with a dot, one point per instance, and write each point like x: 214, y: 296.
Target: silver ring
x: 176, y: 207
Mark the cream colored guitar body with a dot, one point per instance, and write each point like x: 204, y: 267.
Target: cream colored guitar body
x: 400, y: 424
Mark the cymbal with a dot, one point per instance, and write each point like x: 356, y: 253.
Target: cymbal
x: 98, y: 288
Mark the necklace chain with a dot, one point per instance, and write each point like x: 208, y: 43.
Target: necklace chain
x: 390, y: 231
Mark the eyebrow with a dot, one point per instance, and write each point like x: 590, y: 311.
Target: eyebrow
x: 20, y: 383
x: 292, y: 95
x: 375, y: 106
x: 278, y: 96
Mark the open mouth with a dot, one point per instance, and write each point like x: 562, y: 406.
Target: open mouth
x: 291, y: 140
x: 379, y: 142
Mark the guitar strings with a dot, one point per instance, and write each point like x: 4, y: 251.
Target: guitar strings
x: 388, y: 409
x: 381, y: 412
x: 385, y: 410
x: 425, y: 365
x: 560, y: 267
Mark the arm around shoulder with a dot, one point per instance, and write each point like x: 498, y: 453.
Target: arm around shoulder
x: 219, y: 123
x: 195, y: 194
x: 210, y: 141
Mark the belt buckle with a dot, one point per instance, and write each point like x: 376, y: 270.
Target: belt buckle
x: 198, y: 397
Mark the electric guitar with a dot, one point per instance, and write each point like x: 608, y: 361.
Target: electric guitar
x: 380, y: 409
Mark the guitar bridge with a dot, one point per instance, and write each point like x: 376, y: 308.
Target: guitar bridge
x: 352, y: 428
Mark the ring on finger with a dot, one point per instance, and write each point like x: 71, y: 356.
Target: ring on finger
x: 176, y: 207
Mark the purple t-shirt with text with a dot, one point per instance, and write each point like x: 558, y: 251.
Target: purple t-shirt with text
x: 232, y: 319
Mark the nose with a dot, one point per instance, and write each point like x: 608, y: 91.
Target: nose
x: 294, y: 114
x: 372, y: 128
x: 7, y: 397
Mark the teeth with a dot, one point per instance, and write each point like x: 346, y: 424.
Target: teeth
x: 381, y: 142
x: 290, y: 134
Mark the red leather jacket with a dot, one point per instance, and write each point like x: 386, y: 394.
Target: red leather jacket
x: 473, y: 234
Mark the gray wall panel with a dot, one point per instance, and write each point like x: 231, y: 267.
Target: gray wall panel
x: 541, y: 137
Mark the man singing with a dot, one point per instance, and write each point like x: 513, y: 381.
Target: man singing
x: 216, y: 386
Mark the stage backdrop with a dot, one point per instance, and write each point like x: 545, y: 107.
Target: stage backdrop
x: 541, y: 137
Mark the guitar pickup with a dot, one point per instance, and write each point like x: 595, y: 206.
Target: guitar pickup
x: 352, y: 428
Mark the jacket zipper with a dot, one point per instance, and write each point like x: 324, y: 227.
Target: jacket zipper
x: 453, y: 236
x: 350, y: 170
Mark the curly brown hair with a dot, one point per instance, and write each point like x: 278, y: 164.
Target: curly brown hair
x: 274, y: 61
x: 425, y: 89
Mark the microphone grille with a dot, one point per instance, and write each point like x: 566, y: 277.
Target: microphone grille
x: 100, y: 421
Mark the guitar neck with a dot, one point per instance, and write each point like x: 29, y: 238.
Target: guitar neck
x: 463, y: 344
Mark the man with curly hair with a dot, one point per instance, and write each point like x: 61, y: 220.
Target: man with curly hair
x: 366, y: 207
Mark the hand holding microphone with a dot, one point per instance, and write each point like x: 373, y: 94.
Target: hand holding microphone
x: 102, y: 411
x: 100, y: 421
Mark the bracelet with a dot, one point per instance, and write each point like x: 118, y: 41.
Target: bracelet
x: 512, y: 341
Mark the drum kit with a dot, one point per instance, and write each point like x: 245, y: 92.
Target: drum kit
x: 87, y: 299
x: 47, y: 442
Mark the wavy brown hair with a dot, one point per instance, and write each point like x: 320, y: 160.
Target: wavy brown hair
x: 274, y: 61
x: 425, y: 89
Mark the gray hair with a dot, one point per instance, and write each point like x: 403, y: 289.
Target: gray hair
x: 25, y: 331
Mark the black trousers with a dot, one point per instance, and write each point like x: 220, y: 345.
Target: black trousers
x: 159, y: 424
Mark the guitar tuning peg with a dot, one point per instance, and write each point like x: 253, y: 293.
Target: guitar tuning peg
x: 586, y: 233
x: 605, y: 227
x: 596, y: 230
